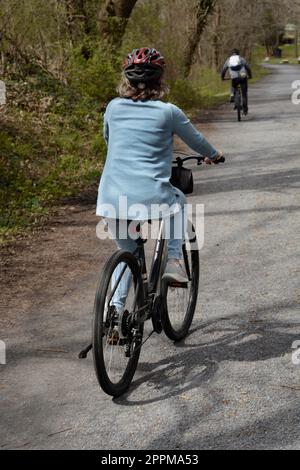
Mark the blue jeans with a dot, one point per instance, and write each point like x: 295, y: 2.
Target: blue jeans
x: 175, y: 229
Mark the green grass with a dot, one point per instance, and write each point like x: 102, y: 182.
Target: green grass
x: 204, y: 90
x: 288, y: 53
x: 46, y: 155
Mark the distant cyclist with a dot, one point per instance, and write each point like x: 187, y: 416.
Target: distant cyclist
x: 239, y: 71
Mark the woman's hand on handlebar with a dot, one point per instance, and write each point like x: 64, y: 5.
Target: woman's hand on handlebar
x: 218, y: 159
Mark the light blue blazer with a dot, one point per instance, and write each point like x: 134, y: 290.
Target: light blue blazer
x: 137, y: 170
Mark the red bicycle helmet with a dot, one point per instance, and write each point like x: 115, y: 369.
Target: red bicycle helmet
x: 144, y: 65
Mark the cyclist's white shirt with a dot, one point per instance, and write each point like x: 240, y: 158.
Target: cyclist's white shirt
x: 236, y: 61
x: 139, y: 158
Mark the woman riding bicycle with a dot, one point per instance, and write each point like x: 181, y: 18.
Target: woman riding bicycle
x: 139, y: 129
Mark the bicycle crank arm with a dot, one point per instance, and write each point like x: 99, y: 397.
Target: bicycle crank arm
x: 178, y: 285
x: 83, y: 354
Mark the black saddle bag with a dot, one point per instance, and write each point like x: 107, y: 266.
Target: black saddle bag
x: 182, y: 178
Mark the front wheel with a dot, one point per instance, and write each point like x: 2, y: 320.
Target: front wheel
x: 181, y: 300
x: 116, y: 335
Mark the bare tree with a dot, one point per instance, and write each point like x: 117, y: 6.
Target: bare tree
x: 204, y: 9
x: 77, y: 15
x: 216, y: 37
x: 113, y: 18
x: 45, y: 35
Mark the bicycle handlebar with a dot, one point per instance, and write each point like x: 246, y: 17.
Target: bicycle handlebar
x: 199, y: 158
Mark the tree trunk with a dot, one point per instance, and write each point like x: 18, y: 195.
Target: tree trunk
x: 113, y: 18
x: 216, y: 38
x: 85, y: 17
x: 76, y: 14
x: 204, y: 8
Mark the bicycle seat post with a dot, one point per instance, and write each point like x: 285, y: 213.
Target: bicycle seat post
x: 157, y: 257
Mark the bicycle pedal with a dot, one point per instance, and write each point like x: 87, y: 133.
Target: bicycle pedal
x: 83, y: 354
x: 178, y: 285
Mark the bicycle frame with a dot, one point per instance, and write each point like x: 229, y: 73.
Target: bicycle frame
x: 238, y: 98
x: 150, y: 284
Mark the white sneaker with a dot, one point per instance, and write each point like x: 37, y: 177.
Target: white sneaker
x: 175, y: 272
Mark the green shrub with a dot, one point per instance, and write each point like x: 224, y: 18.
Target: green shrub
x: 94, y: 78
x: 184, y: 94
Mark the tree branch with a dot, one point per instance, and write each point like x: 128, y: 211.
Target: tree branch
x: 204, y: 9
x: 113, y: 19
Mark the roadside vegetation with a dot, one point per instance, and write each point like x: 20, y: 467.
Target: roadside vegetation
x: 289, y: 55
x: 61, y: 63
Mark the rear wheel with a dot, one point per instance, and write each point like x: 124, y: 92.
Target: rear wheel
x: 116, y: 336
x: 238, y: 105
x: 180, y: 300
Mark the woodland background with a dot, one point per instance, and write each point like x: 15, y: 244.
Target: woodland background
x: 61, y: 62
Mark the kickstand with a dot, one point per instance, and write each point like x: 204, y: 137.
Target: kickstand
x: 83, y: 354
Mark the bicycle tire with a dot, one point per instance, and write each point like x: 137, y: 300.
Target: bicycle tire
x: 238, y: 106
x: 107, y: 385
x: 178, y: 334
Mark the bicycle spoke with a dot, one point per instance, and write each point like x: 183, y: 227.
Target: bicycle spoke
x: 181, y: 300
x: 178, y: 302
x: 121, y: 300
x: 117, y: 283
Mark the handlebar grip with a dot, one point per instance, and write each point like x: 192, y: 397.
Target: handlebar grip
x: 222, y: 160
x: 219, y: 160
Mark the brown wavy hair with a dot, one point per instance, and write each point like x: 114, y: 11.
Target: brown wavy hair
x: 141, y: 91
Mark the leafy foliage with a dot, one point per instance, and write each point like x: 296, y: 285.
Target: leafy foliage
x: 60, y: 72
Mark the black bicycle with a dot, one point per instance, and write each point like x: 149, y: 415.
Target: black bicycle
x: 238, y: 101
x: 118, y: 337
